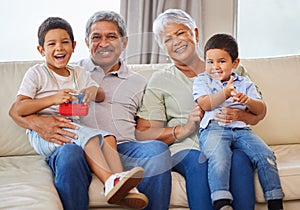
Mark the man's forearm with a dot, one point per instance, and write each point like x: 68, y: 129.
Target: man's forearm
x: 25, y: 122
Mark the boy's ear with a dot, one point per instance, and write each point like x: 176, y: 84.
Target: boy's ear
x: 236, y: 63
x: 74, y: 45
x: 41, y: 50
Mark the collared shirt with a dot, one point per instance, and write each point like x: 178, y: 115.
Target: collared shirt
x: 124, y: 90
x: 206, y: 85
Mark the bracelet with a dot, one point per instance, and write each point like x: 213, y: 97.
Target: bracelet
x: 173, y: 134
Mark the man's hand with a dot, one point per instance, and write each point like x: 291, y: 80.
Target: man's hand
x: 50, y: 128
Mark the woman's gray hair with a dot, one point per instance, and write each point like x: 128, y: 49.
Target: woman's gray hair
x: 105, y: 15
x: 171, y: 16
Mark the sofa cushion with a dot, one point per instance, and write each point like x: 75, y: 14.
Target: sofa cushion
x: 27, y: 183
x: 288, y: 157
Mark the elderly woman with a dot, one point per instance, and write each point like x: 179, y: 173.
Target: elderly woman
x: 170, y: 115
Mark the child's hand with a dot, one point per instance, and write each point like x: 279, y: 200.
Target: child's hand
x: 229, y: 89
x: 63, y: 96
x: 90, y: 94
x: 240, y: 97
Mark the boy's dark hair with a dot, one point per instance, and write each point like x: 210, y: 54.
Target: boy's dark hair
x: 224, y: 42
x: 54, y: 23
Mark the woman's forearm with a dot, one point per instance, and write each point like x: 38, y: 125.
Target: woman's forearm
x: 146, y: 130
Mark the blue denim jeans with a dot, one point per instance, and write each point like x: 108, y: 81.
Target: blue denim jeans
x: 217, y: 142
x: 72, y: 176
x: 154, y: 156
x: 192, y: 165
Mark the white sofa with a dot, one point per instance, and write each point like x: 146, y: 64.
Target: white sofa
x: 26, y: 182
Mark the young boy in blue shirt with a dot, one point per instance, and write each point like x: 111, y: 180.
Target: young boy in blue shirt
x: 219, y: 87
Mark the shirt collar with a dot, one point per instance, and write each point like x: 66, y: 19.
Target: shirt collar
x: 121, y: 73
x: 235, y: 78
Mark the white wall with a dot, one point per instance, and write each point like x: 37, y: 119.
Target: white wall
x: 20, y: 21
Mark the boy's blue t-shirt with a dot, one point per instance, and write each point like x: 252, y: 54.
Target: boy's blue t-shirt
x: 206, y: 85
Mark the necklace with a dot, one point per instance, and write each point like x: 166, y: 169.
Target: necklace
x: 68, y: 67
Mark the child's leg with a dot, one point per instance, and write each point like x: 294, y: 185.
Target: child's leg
x: 264, y: 160
x: 117, y: 185
x: 134, y: 199
x: 111, y: 154
x: 96, y: 159
x: 40, y: 145
x: 215, y: 143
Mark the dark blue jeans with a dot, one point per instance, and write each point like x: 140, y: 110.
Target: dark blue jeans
x: 72, y: 176
x: 154, y: 156
x: 193, y: 166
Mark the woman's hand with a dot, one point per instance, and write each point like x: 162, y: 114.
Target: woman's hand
x: 228, y: 115
x: 192, y: 124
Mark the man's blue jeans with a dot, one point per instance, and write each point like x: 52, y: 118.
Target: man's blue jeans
x: 154, y: 156
x: 72, y: 176
x: 193, y: 166
x: 217, y: 142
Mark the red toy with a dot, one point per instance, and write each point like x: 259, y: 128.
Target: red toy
x: 75, y: 107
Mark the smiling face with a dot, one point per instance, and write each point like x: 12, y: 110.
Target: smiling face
x: 106, y: 44
x: 219, y: 64
x: 180, y: 43
x: 57, y: 48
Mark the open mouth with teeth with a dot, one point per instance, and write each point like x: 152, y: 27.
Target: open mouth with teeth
x: 180, y: 49
x: 60, y: 57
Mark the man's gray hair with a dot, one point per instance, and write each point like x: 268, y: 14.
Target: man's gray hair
x: 105, y: 15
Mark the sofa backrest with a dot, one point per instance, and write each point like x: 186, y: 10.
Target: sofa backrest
x: 277, y: 78
x: 13, y: 140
